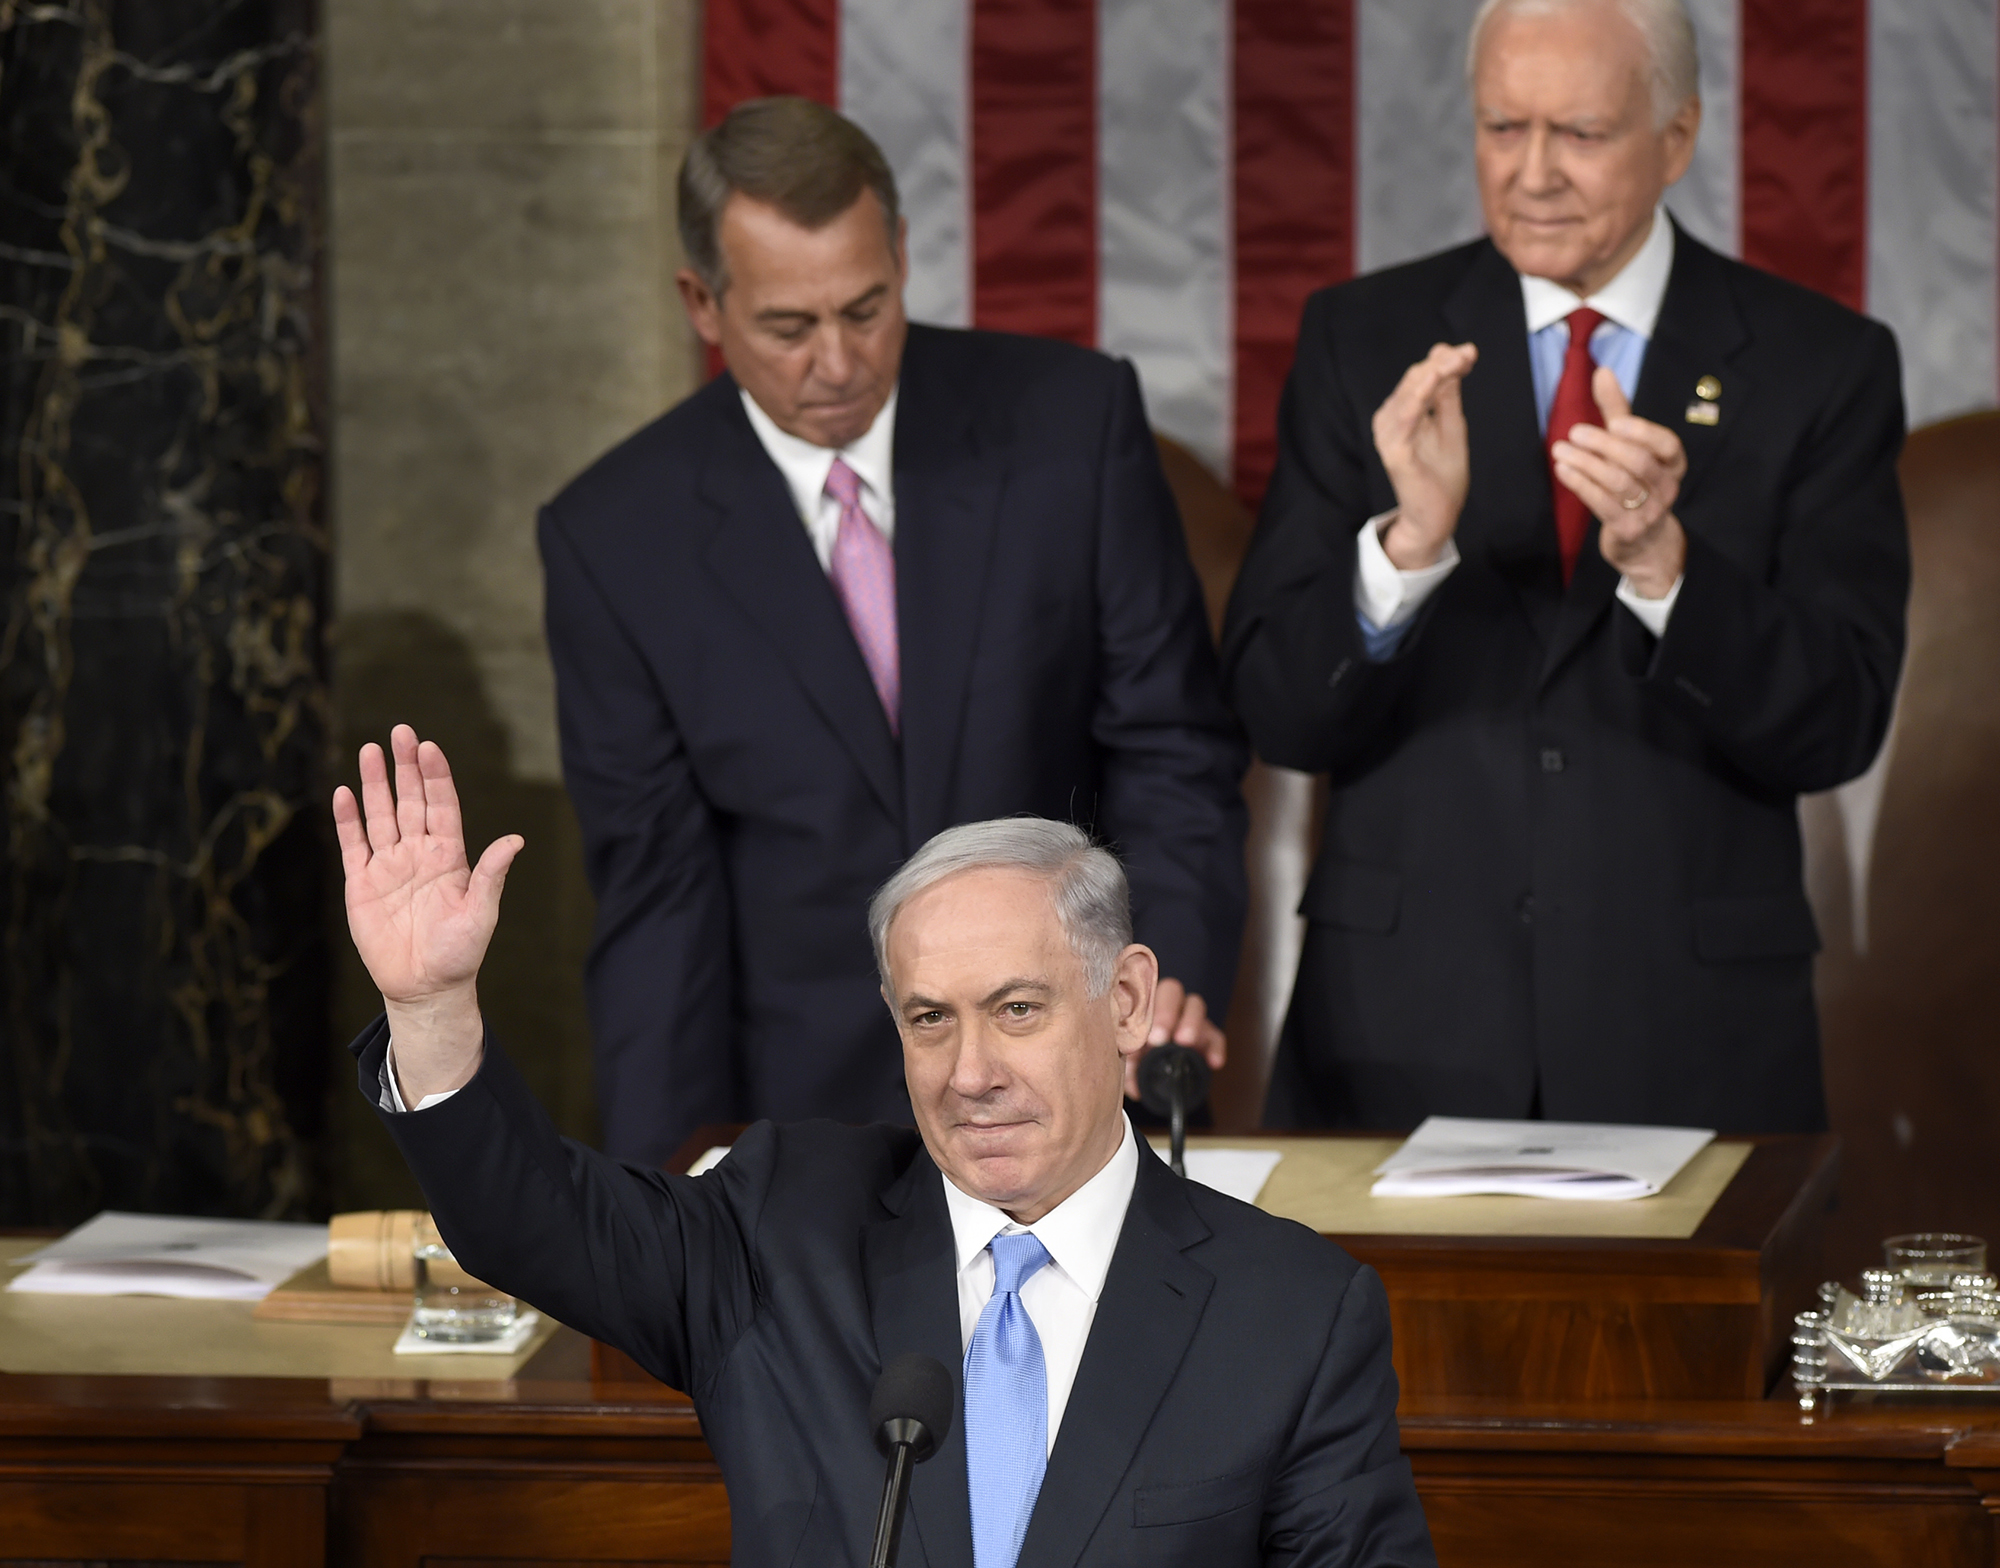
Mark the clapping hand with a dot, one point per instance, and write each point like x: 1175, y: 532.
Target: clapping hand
x: 420, y: 917
x: 1421, y: 438
x: 1629, y: 474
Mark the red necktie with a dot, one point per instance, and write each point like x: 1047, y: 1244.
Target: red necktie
x: 864, y: 575
x: 1573, y: 406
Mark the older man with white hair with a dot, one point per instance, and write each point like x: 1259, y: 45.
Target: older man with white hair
x: 1584, y: 558
x: 1145, y: 1370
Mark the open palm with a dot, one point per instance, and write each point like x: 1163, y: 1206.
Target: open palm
x: 419, y: 915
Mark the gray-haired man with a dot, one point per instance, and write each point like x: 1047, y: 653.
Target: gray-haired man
x: 1151, y: 1371
x: 1583, y: 559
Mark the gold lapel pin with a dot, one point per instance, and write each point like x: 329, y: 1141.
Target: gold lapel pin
x: 1705, y: 410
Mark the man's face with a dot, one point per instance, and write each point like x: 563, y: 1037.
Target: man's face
x: 811, y: 322
x: 1015, y: 1072
x: 1570, y: 162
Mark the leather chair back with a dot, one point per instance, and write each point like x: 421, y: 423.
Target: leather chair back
x: 1286, y: 810
x: 1903, y: 868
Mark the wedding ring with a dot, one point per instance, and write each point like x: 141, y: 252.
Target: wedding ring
x: 1632, y: 503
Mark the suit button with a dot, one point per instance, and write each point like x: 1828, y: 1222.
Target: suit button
x: 1525, y: 910
x: 1552, y: 760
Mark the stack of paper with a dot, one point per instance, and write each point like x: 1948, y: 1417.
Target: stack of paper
x: 1451, y: 1156
x: 1241, y: 1173
x: 164, y: 1255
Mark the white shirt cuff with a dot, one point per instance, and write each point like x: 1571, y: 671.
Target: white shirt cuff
x: 392, y: 1094
x: 1652, y: 613
x: 1385, y: 596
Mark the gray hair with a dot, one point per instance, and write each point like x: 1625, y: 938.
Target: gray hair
x: 1086, y: 883
x: 1664, y: 24
x: 804, y: 159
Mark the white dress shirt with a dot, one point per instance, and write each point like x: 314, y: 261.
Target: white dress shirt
x: 1388, y: 599
x: 872, y: 456
x: 1080, y: 1234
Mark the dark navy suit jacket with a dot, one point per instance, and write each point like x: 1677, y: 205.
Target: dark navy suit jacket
x: 740, y: 792
x: 1235, y: 1404
x: 1562, y: 857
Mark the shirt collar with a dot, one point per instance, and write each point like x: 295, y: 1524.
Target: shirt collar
x: 1080, y: 1233
x: 805, y: 465
x: 1632, y: 299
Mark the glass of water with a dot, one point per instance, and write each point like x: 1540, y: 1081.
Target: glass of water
x: 452, y: 1306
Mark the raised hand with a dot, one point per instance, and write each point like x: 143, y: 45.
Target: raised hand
x: 1629, y: 475
x: 420, y: 916
x: 1420, y: 436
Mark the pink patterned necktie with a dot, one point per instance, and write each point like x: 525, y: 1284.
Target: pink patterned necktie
x: 863, y: 572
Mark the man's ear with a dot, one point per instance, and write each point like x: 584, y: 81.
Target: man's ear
x: 1133, y: 981
x: 704, y: 308
x: 1681, y: 133
x: 902, y: 252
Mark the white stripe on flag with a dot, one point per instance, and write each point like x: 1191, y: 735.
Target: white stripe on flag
x: 1414, y: 190
x: 1931, y: 208
x: 1164, y: 147
x: 903, y: 79
x: 1707, y: 200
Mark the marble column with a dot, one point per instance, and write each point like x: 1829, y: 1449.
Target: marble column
x: 501, y: 260
x: 163, y: 692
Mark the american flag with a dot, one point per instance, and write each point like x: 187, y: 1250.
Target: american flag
x: 1168, y: 179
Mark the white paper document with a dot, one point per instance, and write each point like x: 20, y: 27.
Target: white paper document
x: 1241, y: 1173
x: 118, y: 1254
x: 1453, y: 1156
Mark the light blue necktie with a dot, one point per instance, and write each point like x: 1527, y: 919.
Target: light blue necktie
x: 1006, y: 1408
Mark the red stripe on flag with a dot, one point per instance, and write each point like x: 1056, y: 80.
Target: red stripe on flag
x: 1294, y: 192
x: 1034, y: 167
x: 757, y: 48
x: 1805, y: 142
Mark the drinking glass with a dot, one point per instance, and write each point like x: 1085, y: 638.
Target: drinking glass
x: 1927, y: 1260
x: 451, y: 1305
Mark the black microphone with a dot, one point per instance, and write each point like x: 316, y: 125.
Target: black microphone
x: 910, y: 1413
x: 1173, y: 1080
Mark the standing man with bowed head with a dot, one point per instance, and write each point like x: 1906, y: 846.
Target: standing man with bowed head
x: 1584, y: 558
x: 1143, y: 1370
x: 877, y: 579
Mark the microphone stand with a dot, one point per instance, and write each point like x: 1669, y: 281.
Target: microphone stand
x: 1177, y: 1075
x: 901, y: 1434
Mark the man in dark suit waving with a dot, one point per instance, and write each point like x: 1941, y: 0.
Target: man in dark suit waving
x: 1152, y: 1372
x: 1584, y: 558
x: 877, y: 579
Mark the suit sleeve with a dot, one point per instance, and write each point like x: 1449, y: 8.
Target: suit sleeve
x: 658, y: 1265
x: 1792, y: 677
x: 658, y: 978
x: 1344, y: 1495
x: 1172, y: 754
x: 1293, y: 661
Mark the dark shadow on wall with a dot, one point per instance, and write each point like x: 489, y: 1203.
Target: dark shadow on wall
x: 407, y: 667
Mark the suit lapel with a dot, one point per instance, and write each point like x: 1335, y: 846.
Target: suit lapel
x: 910, y: 1268
x: 1152, y: 1302
x: 947, y: 507
x: 1699, y: 333
x: 1507, y: 515
x: 765, y: 561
